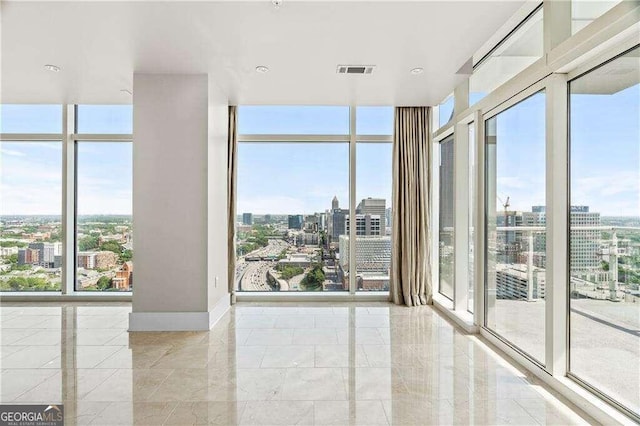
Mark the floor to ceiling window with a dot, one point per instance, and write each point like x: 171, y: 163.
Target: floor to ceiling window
x: 472, y: 212
x: 374, y: 151
x: 31, y: 212
x: 294, y: 189
x: 445, y: 219
x: 293, y: 202
x: 104, y: 216
x: 30, y: 199
x: 605, y: 229
x: 94, y: 175
x: 515, y: 225
x: 104, y: 231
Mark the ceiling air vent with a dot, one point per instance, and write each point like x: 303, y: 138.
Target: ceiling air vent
x: 355, y: 69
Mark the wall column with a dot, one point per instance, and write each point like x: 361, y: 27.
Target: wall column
x: 170, y: 203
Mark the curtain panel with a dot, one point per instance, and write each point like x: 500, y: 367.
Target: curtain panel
x: 232, y: 173
x: 411, y: 260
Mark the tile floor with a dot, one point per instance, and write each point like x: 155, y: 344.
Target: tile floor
x: 338, y: 364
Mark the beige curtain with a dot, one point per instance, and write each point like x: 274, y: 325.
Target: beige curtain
x: 232, y: 171
x: 411, y: 257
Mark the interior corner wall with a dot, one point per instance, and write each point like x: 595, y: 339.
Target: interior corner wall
x: 218, y: 294
x: 170, y: 197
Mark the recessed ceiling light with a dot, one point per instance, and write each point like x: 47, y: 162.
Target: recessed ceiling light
x: 417, y: 71
x: 276, y: 3
x: 127, y: 91
x: 262, y: 69
x: 52, y: 68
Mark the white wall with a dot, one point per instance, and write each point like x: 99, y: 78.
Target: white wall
x: 217, y: 201
x: 170, y: 199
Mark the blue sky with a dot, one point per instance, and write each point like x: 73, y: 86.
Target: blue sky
x: 605, y: 153
x: 31, y: 174
x: 296, y: 178
x: 520, y: 157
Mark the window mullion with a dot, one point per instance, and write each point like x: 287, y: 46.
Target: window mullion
x: 68, y: 200
x: 352, y: 201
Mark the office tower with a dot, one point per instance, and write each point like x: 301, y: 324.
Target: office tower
x: 373, y: 206
x: 366, y: 224
x: 296, y: 221
x: 247, y: 218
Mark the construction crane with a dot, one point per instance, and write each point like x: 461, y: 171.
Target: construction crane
x: 506, y: 207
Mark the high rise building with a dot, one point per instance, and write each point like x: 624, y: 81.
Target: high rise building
x: 337, y: 223
x: 311, y: 222
x: 373, y: 260
x: 388, y: 215
x: 366, y: 225
x: 28, y: 256
x: 512, y: 282
x: 47, y: 253
x: 446, y: 181
x: 247, y: 218
x: 373, y: 206
x: 296, y: 221
x: 585, y: 242
x: 97, y: 259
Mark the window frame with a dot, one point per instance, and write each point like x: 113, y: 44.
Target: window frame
x: 69, y: 139
x: 576, y: 74
x: 352, y: 139
x: 540, y: 87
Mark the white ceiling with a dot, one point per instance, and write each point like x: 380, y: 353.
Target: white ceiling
x: 99, y: 45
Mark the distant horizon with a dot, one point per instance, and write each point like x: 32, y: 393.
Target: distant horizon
x: 237, y: 214
x: 60, y: 216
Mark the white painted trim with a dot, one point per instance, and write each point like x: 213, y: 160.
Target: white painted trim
x: 461, y: 217
x: 608, y: 54
x: 443, y: 132
x: 293, y: 296
x: 294, y: 138
x: 218, y: 311
x: 169, y: 321
x: 556, y: 23
x: 593, y: 37
x: 91, y: 137
x: 352, y: 200
x: 464, y: 319
x: 68, y: 199
x: 479, y: 228
x: 374, y: 138
x: 557, y: 206
x: 515, y: 99
x: 507, y: 28
x: 31, y: 137
x: 78, y: 296
x: 576, y: 394
x: 617, y: 26
x: 434, y: 198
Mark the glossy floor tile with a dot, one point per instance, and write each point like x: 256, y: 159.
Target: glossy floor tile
x: 267, y: 364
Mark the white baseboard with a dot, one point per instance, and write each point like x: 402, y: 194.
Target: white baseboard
x: 221, y: 308
x: 169, y: 321
x: 179, y: 321
x: 462, y: 319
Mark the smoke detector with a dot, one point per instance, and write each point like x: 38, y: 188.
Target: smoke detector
x: 355, y: 69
